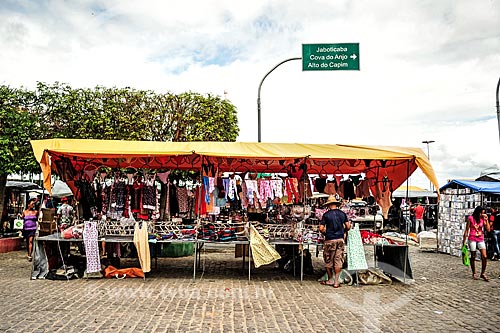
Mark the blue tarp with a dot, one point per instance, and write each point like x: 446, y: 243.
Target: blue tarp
x: 477, y: 186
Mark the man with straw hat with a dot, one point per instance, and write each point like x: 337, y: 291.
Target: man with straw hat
x: 333, y: 225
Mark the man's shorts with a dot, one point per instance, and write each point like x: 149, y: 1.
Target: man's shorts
x: 474, y: 246
x: 333, y: 253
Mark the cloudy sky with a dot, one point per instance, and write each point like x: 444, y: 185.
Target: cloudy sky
x: 428, y: 69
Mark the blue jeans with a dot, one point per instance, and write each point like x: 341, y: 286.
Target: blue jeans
x: 496, y: 236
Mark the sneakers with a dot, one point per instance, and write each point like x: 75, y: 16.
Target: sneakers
x: 30, y: 258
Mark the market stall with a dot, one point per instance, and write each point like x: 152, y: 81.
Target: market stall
x: 275, y: 180
x: 458, y: 200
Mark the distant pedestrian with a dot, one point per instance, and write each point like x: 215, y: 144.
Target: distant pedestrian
x: 334, y: 224
x: 65, y: 213
x: 50, y: 203
x: 419, y: 211
x: 495, y: 233
x: 477, y: 223
x: 30, y: 216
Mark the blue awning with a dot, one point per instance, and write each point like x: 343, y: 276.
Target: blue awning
x: 477, y: 186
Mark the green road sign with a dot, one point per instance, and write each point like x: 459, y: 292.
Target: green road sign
x: 330, y: 57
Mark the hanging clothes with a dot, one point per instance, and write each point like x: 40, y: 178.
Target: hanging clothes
x: 243, y: 195
x: 142, y: 245
x: 383, y: 197
x: 304, y: 185
x: 91, y: 247
x: 356, y: 259
x: 330, y: 188
x: 135, y: 191
x: 320, y: 184
x: 87, y: 198
x: 349, y: 190
x: 363, y: 189
x: 291, y: 190
x: 265, y: 191
x: 182, y: 199
x: 200, y: 206
x: 149, y: 193
x: 277, y: 185
x: 252, y: 191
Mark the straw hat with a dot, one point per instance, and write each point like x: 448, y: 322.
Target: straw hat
x: 332, y: 199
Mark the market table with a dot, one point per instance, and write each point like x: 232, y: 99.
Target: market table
x: 394, y: 260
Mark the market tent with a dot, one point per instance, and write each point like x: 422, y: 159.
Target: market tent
x: 477, y: 186
x: 71, y: 156
x: 412, y: 192
x: 21, y: 186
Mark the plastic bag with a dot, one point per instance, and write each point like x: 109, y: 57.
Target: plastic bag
x: 18, y: 224
x: 465, y: 255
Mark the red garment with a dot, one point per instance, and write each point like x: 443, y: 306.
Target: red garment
x: 120, y: 273
x: 419, y: 212
x: 202, y: 203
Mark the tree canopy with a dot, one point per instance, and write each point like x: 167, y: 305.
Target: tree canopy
x: 60, y: 111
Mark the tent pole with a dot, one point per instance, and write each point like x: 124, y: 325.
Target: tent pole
x: 198, y: 213
x: 301, y: 239
x: 406, y: 238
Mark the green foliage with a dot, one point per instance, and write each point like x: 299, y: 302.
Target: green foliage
x: 17, y: 126
x: 60, y: 111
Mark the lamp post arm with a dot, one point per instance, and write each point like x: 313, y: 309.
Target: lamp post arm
x: 260, y: 86
x: 498, y: 107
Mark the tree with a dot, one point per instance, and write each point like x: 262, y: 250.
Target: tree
x: 17, y: 127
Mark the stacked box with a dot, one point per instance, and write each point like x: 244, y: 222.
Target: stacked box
x: 454, y: 207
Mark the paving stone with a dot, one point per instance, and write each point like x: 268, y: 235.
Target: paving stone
x: 223, y: 300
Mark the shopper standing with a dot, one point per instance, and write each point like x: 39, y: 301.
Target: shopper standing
x: 477, y: 223
x: 495, y: 234
x: 334, y: 224
x: 65, y: 213
x: 30, y: 216
x: 419, y: 211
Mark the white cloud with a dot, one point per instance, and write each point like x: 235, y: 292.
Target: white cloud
x: 428, y: 69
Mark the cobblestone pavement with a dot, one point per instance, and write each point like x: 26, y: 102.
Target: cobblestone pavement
x: 443, y: 298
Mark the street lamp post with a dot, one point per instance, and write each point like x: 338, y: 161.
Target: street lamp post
x: 427, y: 142
x: 498, y: 107
x: 258, y: 93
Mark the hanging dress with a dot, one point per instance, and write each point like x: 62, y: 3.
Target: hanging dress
x: 142, y: 246
x: 356, y: 259
x: 91, y: 247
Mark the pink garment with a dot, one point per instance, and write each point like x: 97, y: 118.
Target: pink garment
x: 90, y: 174
x: 211, y: 184
x: 243, y: 195
x: 338, y: 178
x: 476, y: 230
x: 265, y: 191
x: 163, y: 176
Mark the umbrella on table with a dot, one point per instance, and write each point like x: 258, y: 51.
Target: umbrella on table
x: 61, y: 189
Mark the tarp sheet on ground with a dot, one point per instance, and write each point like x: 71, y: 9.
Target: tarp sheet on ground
x: 477, y: 186
x: 68, y: 157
